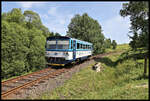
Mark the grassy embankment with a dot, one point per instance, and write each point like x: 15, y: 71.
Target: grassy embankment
x: 121, y: 78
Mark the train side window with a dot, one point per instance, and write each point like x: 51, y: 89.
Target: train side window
x: 71, y: 44
x: 83, y: 46
x: 74, y: 44
x: 78, y: 45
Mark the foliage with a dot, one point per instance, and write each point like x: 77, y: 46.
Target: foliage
x: 23, y: 39
x: 87, y: 29
x: 114, y: 44
x: 139, y: 17
x: 33, y: 20
x: 14, y: 48
x: 138, y: 12
x: 15, y: 15
x: 108, y: 43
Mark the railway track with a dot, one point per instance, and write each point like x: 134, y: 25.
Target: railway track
x: 14, y: 85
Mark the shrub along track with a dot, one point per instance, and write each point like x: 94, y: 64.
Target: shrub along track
x: 18, y: 88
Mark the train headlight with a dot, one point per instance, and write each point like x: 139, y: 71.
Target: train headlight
x: 66, y: 53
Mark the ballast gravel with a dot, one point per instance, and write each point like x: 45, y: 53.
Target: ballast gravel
x: 49, y: 84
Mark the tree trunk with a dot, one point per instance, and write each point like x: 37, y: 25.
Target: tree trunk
x: 145, y: 66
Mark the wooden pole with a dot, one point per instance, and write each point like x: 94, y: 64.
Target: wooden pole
x: 145, y: 66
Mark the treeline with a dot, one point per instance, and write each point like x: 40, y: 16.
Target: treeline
x: 85, y: 28
x: 23, y: 38
x: 110, y: 44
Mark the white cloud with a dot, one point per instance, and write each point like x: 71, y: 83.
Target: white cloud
x: 57, y: 21
x: 52, y: 11
x: 44, y: 16
x: 27, y: 5
x: 117, y: 28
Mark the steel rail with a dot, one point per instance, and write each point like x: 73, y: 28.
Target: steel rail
x: 5, y: 94
x: 24, y: 76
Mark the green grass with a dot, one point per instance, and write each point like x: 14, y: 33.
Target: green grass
x: 118, y: 80
x: 120, y: 47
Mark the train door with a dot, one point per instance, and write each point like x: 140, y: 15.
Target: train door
x: 74, y: 49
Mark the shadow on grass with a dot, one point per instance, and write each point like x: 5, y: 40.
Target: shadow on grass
x: 124, y: 56
x: 141, y: 77
x: 106, y: 61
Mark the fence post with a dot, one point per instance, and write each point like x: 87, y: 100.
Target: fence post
x: 145, y: 66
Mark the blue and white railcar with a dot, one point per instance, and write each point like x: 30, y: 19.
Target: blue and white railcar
x: 62, y: 50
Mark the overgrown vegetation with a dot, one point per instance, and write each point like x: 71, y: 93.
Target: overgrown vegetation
x: 119, y: 80
x: 23, y: 38
x: 109, y: 44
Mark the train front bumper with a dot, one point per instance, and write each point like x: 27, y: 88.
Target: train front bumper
x: 54, y: 64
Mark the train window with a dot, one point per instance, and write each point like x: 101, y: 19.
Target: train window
x: 78, y: 45
x: 83, y: 46
x: 88, y: 47
x: 71, y: 44
x: 74, y: 44
x: 51, y: 44
x: 62, y: 44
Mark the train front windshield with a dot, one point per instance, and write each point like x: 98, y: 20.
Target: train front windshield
x: 60, y: 44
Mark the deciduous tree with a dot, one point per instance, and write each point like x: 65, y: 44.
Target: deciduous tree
x: 139, y: 17
x: 87, y: 29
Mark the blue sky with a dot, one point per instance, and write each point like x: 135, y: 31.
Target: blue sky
x: 57, y: 15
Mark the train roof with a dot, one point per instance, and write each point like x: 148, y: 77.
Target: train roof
x: 66, y: 37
